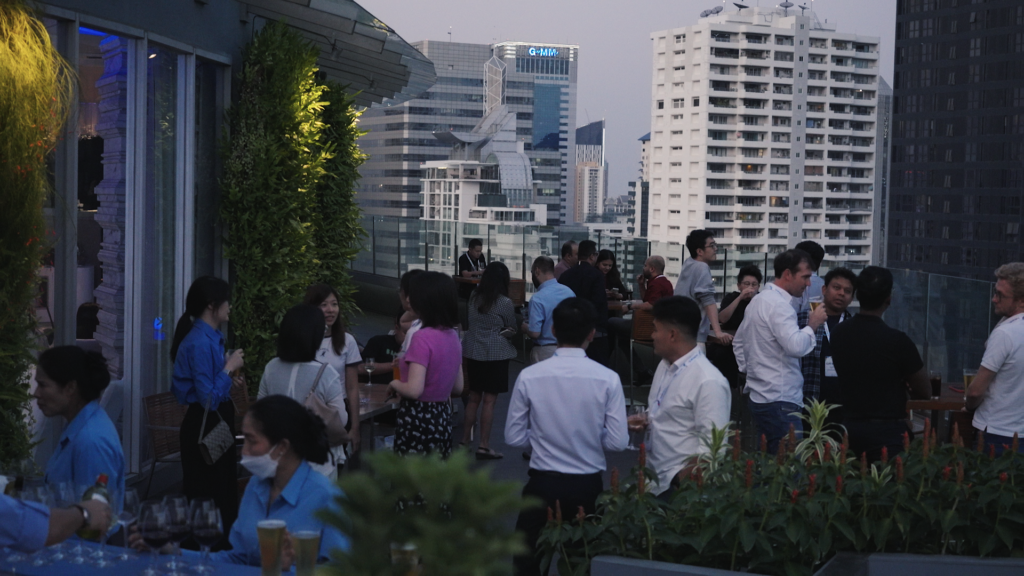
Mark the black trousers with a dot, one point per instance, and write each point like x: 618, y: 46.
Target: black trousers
x: 871, y: 435
x: 597, y: 350
x: 570, y: 490
x: 219, y: 481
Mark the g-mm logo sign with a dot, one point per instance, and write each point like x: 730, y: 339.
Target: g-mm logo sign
x: 543, y: 51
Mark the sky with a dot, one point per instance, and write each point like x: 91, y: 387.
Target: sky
x: 615, y: 66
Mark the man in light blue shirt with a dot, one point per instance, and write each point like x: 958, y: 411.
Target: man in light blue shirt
x: 548, y: 295
x: 28, y: 526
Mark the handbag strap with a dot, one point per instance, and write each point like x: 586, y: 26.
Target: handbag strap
x: 315, y: 383
x: 202, y: 427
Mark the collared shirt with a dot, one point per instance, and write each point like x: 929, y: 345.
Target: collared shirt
x: 561, y: 267
x: 569, y: 409
x: 812, y: 365
x: 1000, y: 413
x: 687, y: 397
x: 24, y: 526
x: 199, y: 374
x: 306, y: 494
x: 803, y: 303
x: 542, y: 305
x: 769, y: 345
x: 658, y: 288
x: 89, y: 447
x: 695, y: 282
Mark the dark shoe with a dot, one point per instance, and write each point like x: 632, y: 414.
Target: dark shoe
x: 487, y: 454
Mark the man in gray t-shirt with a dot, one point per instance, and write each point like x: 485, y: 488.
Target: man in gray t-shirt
x: 695, y: 282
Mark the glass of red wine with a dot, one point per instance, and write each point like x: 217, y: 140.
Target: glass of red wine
x: 207, y: 529
x: 154, y: 526
x: 179, y: 526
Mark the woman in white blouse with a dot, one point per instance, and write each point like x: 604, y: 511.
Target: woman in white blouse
x: 339, y: 350
x: 296, y: 371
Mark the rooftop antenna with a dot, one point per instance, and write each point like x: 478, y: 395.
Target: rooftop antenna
x: 785, y: 7
x: 739, y: 6
x: 803, y: 7
x: 716, y: 9
x: 449, y: 34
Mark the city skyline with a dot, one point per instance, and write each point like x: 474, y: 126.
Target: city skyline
x: 614, y: 77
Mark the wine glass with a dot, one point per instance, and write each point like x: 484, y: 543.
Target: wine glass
x: 63, y: 495
x: 129, y: 514
x: 39, y: 494
x: 179, y: 526
x: 370, y: 365
x: 207, y: 529
x: 637, y: 416
x: 154, y: 526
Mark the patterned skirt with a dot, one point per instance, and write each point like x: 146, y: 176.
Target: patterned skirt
x: 424, y: 428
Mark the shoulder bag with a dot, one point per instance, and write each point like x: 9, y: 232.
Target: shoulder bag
x: 214, y: 444
x: 336, y: 434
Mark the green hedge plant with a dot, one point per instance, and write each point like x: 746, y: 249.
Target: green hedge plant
x: 790, y: 512
x: 36, y: 88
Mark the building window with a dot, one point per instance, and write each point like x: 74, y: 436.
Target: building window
x: 661, y: 104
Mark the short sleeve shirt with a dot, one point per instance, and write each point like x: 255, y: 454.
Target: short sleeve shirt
x: 873, y: 361
x: 440, y: 351
x: 1000, y: 413
x: 349, y: 356
x: 657, y: 289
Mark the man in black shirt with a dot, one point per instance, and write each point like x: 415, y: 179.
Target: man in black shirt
x: 587, y: 282
x: 471, y: 265
x: 382, y: 350
x: 876, y: 366
x: 820, y: 379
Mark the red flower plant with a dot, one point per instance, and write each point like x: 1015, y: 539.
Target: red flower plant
x: 764, y: 444
x: 615, y: 481
x: 839, y: 483
x: 736, y: 446
x: 885, y: 455
x: 945, y: 473
x: 899, y: 469
x: 812, y: 483
x: 1003, y: 477
x: 748, y: 476
x: 793, y: 495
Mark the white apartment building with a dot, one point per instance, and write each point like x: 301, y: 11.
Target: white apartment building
x: 764, y: 125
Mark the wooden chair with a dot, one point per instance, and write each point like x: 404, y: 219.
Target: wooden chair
x: 643, y: 327
x: 517, y: 291
x: 241, y: 400
x: 165, y: 415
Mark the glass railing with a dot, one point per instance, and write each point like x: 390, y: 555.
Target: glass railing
x: 948, y: 318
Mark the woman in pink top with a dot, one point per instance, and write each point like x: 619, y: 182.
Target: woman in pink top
x: 431, y: 369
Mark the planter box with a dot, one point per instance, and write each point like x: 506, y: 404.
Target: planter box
x: 619, y: 566
x: 846, y: 564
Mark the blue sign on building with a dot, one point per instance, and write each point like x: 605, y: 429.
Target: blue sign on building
x: 543, y: 51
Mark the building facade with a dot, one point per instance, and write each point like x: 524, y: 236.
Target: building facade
x: 591, y: 172
x: 958, y: 137
x: 764, y: 126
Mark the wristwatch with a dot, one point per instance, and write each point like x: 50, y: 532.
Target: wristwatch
x: 86, y: 517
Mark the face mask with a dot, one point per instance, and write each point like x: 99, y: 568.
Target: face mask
x: 262, y: 467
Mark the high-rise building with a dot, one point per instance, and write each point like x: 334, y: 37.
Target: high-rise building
x: 958, y: 137
x: 591, y: 172
x: 639, y: 192
x: 399, y: 138
x: 763, y: 129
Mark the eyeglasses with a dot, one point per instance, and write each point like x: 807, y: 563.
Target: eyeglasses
x: 711, y: 246
x: 750, y: 284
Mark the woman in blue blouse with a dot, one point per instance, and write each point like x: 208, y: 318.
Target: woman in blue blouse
x: 69, y: 382
x: 281, y: 438
x: 202, y: 377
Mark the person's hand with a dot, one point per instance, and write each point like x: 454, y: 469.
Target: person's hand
x: 724, y: 338
x: 235, y: 361
x: 392, y: 392
x: 748, y: 293
x: 287, y: 552
x: 99, y: 515
x: 524, y: 327
x: 641, y: 279
x: 637, y: 425
x: 355, y: 438
x: 817, y: 318
x: 238, y: 381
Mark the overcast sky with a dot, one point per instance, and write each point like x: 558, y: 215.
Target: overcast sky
x: 615, y: 47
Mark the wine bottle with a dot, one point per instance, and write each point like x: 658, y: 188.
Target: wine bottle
x: 98, y: 491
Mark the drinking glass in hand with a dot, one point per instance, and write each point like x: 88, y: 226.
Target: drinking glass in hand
x: 370, y: 365
x: 179, y: 526
x: 969, y: 375
x: 815, y: 301
x: 154, y: 526
x: 935, y: 379
x: 207, y: 529
x: 637, y: 417
x: 128, y: 515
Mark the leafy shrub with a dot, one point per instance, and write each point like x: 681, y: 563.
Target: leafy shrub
x: 790, y: 512
x: 36, y: 86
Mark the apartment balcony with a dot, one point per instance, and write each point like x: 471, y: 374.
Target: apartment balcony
x: 728, y: 53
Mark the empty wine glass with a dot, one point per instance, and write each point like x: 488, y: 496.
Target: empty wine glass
x: 370, y: 365
x: 154, y: 526
x: 63, y: 495
x: 207, y: 529
x: 129, y: 514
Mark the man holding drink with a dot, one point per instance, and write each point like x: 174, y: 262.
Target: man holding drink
x: 820, y: 379
x: 997, y: 391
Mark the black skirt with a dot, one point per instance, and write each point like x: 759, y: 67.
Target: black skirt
x: 218, y: 481
x: 424, y: 428
x: 487, y: 376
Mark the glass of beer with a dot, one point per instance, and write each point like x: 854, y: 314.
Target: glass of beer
x: 815, y: 301
x: 637, y: 417
x: 969, y: 375
x: 307, y: 549
x: 406, y: 557
x: 935, y: 378
x: 271, y: 537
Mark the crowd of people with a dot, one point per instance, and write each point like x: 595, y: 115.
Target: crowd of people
x: 786, y: 343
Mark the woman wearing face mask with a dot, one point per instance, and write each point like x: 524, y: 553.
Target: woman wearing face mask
x: 69, y: 382
x: 339, y: 350
x: 281, y: 439
x: 202, y: 380
x: 296, y: 370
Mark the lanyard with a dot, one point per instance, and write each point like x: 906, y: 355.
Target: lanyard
x: 828, y: 333
x: 657, y: 403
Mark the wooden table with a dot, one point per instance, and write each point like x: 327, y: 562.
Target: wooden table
x: 377, y: 405
x: 949, y: 401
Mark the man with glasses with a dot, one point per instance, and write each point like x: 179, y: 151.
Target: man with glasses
x: 695, y: 282
x: 997, y: 392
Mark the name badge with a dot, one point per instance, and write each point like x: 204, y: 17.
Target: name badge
x: 830, y: 368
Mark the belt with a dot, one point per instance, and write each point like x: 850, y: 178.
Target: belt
x: 552, y: 474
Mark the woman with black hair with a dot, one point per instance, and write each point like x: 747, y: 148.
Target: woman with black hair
x: 281, y: 438
x: 487, y: 351
x: 295, y: 371
x: 431, y: 369
x: 202, y: 380
x: 69, y: 383
x: 340, y: 350
x: 613, y: 286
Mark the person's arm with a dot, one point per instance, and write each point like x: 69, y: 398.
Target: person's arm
x: 711, y: 407
x: 729, y: 305
x: 979, y: 387
x: 795, y: 341
x: 641, y: 286
x: 712, y: 311
x: 535, y: 326
x: 508, y: 314
x: 517, y: 423
x: 739, y: 347
x: 705, y: 295
x: 352, y: 391
x: 332, y: 393
x: 66, y: 521
x: 615, y: 435
x: 412, y: 389
x: 458, y: 387
x: 210, y: 375
x: 918, y: 384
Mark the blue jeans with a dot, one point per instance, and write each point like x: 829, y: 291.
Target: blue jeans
x: 1000, y: 441
x: 773, y: 419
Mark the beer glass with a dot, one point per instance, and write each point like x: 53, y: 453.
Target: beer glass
x: 307, y: 548
x: 969, y: 375
x: 271, y: 537
x: 935, y: 378
x: 815, y: 301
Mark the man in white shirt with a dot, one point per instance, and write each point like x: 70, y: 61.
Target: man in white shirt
x: 769, y: 345
x: 997, y: 392
x: 817, y: 254
x: 689, y: 394
x: 569, y: 409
